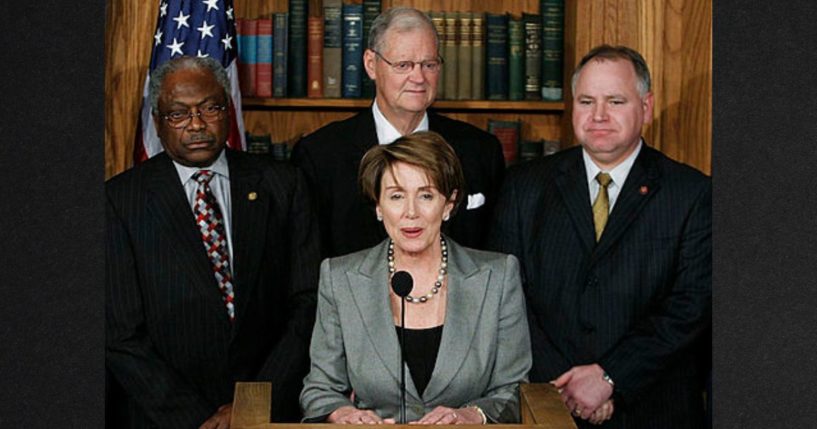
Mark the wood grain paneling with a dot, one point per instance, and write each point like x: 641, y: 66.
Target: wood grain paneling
x: 128, y: 36
x: 675, y: 38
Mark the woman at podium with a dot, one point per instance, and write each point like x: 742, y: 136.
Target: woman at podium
x: 467, y: 346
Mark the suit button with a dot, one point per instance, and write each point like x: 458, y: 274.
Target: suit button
x: 588, y: 329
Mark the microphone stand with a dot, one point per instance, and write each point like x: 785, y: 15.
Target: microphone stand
x: 402, y: 360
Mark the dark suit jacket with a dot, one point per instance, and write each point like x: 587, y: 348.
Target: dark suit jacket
x: 637, y: 301
x: 169, y: 343
x: 330, y: 158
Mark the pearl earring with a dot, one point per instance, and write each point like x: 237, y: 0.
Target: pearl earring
x: 445, y: 218
x: 379, y: 218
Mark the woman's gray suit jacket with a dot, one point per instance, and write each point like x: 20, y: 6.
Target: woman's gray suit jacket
x: 484, y: 352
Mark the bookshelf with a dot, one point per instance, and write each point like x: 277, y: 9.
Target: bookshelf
x: 675, y: 39
x: 286, y: 119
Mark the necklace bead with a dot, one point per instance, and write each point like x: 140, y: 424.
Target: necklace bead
x: 440, y: 276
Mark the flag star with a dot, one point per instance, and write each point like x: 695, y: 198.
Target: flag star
x: 163, y: 8
x: 205, y: 30
x: 201, y: 55
x: 175, y: 47
x: 230, y: 13
x: 211, y: 4
x: 181, y: 20
x: 158, y: 36
x: 227, y: 41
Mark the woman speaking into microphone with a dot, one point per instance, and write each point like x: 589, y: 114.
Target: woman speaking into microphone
x: 466, y: 347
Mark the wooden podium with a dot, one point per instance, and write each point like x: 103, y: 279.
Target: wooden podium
x: 541, y: 409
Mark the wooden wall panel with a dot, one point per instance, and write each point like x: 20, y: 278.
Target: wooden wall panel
x: 675, y: 38
x: 128, y: 36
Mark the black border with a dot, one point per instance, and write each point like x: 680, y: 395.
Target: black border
x: 765, y: 213
x: 51, y: 214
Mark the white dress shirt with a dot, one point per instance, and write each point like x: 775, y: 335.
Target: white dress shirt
x: 219, y: 184
x: 386, y: 133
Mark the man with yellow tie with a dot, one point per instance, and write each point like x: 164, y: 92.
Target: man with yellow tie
x: 615, y: 245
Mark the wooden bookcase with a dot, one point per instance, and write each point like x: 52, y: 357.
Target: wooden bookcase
x: 289, y: 119
x: 674, y: 37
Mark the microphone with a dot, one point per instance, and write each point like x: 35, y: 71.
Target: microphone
x: 402, y: 284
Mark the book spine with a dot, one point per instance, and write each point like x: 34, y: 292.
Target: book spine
x: 516, y: 59
x: 533, y: 56
x: 438, y: 18
x: 371, y: 9
x: 247, y: 55
x: 478, y: 56
x: 296, y: 69
x: 352, y: 57
x: 314, y: 56
x: 263, y: 71
x: 496, y: 57
x: 332, y: 46
x: 530, y: 149
x: 553, y: 25
x: 507, y: 132
x: 279, y: 54
x: 450, y: 70
x: 464, y: 57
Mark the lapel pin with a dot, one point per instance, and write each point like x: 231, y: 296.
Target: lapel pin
x: 252, y: 196
x: 643, y: 190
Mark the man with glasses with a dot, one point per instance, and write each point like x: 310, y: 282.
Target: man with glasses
x: 403, y: 60
x: 212, y: 265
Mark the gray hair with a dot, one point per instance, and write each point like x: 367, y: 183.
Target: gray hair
x: 613, y: 53
x: 401, y: 20
x: 158, y: 75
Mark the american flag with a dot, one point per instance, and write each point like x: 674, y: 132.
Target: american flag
x: 204, y: 28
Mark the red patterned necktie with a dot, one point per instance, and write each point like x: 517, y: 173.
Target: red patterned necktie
x: 211, y: 225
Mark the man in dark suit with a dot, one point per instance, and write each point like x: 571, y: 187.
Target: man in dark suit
x: 211, y: 264
x: 615, y: 244
x: 404, y: 62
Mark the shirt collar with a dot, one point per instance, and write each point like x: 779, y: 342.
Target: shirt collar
x: 618, y: 173
x: 219, y: 167
x: 386, y: 133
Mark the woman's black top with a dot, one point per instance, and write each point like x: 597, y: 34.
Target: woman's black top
x: 422, y: 346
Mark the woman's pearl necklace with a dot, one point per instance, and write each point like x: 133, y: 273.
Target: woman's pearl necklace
x: 440, y: 276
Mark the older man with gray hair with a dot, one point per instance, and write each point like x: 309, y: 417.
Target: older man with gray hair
x: 404, y: 61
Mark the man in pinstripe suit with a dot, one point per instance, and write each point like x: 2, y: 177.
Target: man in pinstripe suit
x: 614, y: 240
x: 188, y: 317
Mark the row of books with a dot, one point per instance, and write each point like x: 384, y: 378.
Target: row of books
x: 262, y: 144
x: 516, y: 150
x: 319, y: 54
x: 307, y: 53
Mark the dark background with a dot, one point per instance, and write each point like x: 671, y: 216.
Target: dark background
x: 52, y: 219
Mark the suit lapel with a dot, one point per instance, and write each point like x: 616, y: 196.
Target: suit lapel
x: 249, y: 221
x: 572, y: 184
x: 168, y: 203
x: 366, y: 133
x: 641, y: 184
x: 467, y: 285
x: 370, y: 291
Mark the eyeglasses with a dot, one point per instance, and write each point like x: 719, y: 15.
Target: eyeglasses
x: 181, y: 118
x: 404, y: 67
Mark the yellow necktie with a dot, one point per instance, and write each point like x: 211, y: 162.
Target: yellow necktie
x: 601, y: 207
